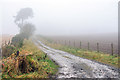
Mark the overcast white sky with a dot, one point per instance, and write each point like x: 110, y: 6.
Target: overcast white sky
x: 63, y: 17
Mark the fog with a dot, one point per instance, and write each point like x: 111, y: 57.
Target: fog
x: 63, y: 17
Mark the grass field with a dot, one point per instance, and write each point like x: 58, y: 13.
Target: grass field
x: 31, y: 63
x: 104, y: 41
x: 92, y: 55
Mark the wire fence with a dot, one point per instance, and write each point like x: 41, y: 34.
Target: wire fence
x: 110, y: 48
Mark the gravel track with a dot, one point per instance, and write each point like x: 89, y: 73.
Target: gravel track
x: 76, y: 67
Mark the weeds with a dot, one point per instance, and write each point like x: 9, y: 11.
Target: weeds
x: 7, y: 50
x: 31, y: 63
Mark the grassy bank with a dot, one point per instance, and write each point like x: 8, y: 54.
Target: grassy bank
x: 31, y: 63
x: 92, y: 55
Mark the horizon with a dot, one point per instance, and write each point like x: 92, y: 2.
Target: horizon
x: 72, y: 18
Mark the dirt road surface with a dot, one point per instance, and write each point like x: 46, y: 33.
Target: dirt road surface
x: 76, y: 67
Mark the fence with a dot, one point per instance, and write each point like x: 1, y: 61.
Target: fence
x: 99, y: 47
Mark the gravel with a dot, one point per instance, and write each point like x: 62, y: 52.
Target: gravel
x: 72, y: 66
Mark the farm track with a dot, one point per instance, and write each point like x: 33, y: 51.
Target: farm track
x: 76, y: 67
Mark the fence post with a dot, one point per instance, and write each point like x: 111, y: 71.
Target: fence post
x: 74, y: 44
x: 65, y: 42
x: 112, y: 48
x: 97, y: 47
x: 56, y: 42
x: 59, y: 41
x: 80, y: 45
x: 69, y: 42
x: 88, y: 45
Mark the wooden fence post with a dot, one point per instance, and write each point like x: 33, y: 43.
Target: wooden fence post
x: 80, y: 45
x: 56, y: 41
x: 74, y: 44
x: 112, y: 48
x: 65, y: 42
x: 88, y: 45
x: 97, y: 47
x: 69, y: 42
x: 59, y: 41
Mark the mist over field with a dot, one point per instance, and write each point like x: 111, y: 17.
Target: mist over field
x: 63, y: 17
x: 104, y: 41
x: 80, y: 20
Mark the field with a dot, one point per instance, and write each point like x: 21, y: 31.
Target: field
x: 88, y: 54
x: 5, y: 38
x: 104, y: 42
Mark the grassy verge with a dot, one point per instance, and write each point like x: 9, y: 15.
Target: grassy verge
x: 92, y: 55
x: 31, y: 63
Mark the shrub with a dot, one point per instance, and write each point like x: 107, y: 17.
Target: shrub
x: 17, y: 41
x: 7, y: 50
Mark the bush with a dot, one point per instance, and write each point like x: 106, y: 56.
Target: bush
x: 7, y: 50
x: 27, y: 30
x: 17, y: 41
x: 31, y: 63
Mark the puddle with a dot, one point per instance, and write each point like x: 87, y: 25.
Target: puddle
x: 82, y: 67
x: 67, y: 57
